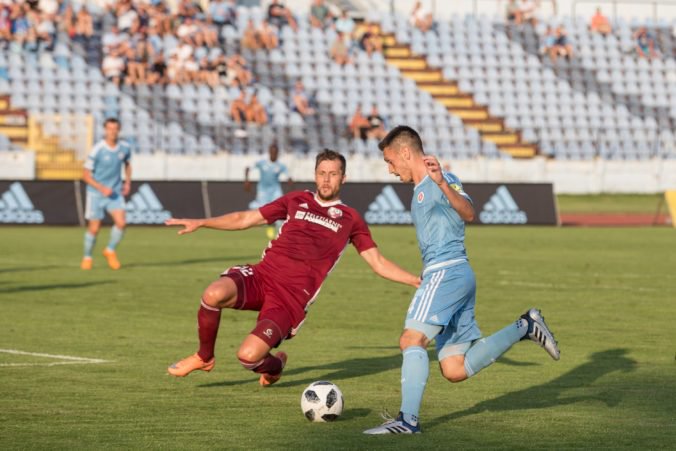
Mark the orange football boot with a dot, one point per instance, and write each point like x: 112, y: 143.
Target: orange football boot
x: 269, y: 379
x: 193, y: 363
x: 111, y: 256
x: 86, y: 263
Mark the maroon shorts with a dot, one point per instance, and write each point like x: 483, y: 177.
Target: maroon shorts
x: 255, y: 292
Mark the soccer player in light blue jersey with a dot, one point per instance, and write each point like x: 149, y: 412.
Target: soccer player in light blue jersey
x: 268, y: 187
x: 106, y: 191
x: 442, y: 308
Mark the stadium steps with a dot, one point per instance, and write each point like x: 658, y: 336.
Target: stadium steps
x: 52, y: 161
x: 456, y: 102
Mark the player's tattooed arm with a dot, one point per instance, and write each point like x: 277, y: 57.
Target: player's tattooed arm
x: 457, y: 201
x: 388, y: 269
x: 238, y: 220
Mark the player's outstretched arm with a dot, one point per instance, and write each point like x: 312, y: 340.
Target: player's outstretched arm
x: 238, y: 220
x: 388, y: 269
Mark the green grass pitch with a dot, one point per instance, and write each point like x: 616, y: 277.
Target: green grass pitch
x: 608, y: 294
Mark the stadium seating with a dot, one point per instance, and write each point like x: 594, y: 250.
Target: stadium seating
x: 605, y: 102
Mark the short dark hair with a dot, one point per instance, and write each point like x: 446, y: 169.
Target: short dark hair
x: 113, y: 120
x: 332, y: 155
x: 402, y: 135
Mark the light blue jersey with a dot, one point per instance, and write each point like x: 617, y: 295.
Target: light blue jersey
x: 443, y: 306
x: 106, y: 164
x: 439, y: 228
x: 269, y: 187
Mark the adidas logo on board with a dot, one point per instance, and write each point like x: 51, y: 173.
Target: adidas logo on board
x: 16, y: 207
x: 145, y: 208
x: 502, y: 209
x: 387, y: 209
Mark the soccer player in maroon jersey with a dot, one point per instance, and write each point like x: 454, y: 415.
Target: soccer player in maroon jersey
x: 317, y: 228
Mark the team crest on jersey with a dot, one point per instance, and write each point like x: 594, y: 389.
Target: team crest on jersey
x: 335, y: 212
x: 421, y: 197
x: 120, y: 155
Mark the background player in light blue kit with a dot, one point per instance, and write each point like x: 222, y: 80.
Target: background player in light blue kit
x: 268, y: 187
x: 443, y: 307
x: 106, y: 191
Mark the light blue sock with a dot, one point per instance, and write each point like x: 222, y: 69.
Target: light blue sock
x: 115, y: 238
x: 487, y: 350
x: 415, y: 370
x: 89, y: 241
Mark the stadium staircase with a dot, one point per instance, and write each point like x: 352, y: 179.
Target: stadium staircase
x: 53, y: 162
x: 447, y: 92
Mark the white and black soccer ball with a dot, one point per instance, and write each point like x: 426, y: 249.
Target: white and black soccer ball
x: 322, y: 401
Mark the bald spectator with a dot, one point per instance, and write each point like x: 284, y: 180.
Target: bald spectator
x: 600, y: 23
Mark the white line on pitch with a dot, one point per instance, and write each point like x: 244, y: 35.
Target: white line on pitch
x: 69, y: 359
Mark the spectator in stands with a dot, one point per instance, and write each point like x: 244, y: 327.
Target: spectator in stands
x: 269, y: 35
x: 137, y: 64
x: 126, y: 15
x: 345, y: 24
x: 114, y: 41
x: 320, y: 15
x: 562, y: 46
x: 513, y: 12
x: 157, y: 73
x: 371, y: 41
x: 548, y: 43
x: 255, y: 111
x: 113, y: 67
x: 645, y: 43
x: 300, y: 101
x: 238, y: 108
x: 45, y: 30
x: 221, y: 14
x: 528, y: 12
x: 250, y: 37
x: 237, y: 71
x: 279, y: 15
x: 376, y: 127
x: 340, y: 50
x: 600, y: 24
x: 359, y: 125
x: 421, y: 18
x: 5, y: 24
x: 84, y: 25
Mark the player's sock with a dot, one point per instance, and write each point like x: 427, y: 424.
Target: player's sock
x: 89, y: 241
x: 487, y: 350
x: 115, y: 238
x: 415, y: 370
x: 269, y: 365
x: 208, y: 320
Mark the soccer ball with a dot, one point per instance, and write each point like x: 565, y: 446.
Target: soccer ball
x: 322, y: 401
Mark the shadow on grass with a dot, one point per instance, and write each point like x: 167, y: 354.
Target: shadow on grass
x: 335, y: 371
x: 28, y: 268
x: 53, y: 286
x: 193, y: 261
x: 345, y: 370
x: 561, y: 391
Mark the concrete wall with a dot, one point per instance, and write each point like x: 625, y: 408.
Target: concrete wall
x: 17, y: 165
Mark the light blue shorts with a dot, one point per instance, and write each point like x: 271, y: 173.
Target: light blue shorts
x: 96, y: 204
x: 265, y: 197
x: 443, y: 309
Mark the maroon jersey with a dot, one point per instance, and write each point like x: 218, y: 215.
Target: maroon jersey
x: 311, y: 240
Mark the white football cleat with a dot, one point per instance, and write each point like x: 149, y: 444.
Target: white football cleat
x: 393, y: 426
x: 540, y: 333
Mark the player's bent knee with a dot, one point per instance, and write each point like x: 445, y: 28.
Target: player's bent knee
x: 453, y: 369
x: 218, y: 295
